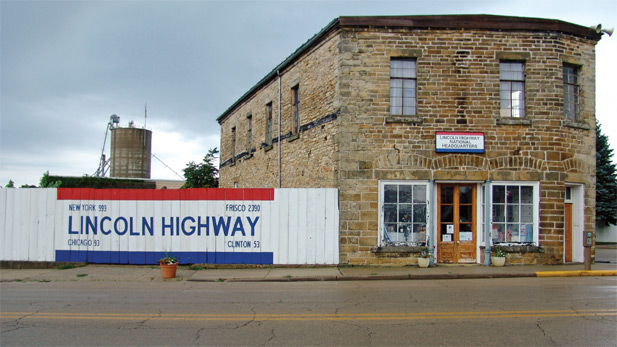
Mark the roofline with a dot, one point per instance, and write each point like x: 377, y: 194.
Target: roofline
x: 473, y: 21
x: 306, y: 46
x: 479, y: 21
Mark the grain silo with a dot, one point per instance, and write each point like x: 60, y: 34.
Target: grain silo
x: 130, y: 152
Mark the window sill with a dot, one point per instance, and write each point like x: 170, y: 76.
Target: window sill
x: 574, y: 124
x: 524, y: 248
x: 399, y: 249
x: 293, y: 138
x: 513, y: 121
x: 403, y: 119
x: 266, y: 148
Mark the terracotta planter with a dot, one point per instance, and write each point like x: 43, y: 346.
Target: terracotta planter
x: 498, y: 261
x: 424, y: 262
x: 169, y: 270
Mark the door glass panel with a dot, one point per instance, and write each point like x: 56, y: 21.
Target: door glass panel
x: 446, y: 231
x: 447, y: 195
x: 465, y: 213
x: 447, y: 215
x: 465, y: 195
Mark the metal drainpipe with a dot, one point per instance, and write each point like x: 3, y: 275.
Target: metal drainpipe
x: 431, y: 241
x: 279, y: 130
x: 487, y: 223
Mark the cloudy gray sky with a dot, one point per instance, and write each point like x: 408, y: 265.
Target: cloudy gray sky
x: 66, y: 66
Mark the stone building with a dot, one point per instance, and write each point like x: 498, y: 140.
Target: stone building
x: 419, y: 121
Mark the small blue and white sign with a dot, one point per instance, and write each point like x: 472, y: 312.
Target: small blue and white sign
x: 459, y: 142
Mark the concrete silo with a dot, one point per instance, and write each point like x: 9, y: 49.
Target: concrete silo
x: 131, y: 150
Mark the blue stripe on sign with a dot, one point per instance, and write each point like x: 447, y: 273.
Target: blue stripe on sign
x: 144, y: 258
x: 443, y: 150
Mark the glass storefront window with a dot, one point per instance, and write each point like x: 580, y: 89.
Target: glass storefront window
x: 404, y: 214
x: 513, y: 213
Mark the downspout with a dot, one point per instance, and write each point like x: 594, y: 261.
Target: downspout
x: 279, y: 131
x: 432, y: 232
x: 487, y: 223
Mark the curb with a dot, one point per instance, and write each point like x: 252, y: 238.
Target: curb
x: 576, y: 273
x: 366, y: 278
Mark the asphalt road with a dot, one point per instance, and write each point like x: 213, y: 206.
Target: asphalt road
x: 497, y: 312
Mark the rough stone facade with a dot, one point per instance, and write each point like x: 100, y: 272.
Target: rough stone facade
x: 349, y: 140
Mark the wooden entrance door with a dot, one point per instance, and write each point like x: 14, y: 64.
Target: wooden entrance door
x: 568, y: 233
x: 456, y: 216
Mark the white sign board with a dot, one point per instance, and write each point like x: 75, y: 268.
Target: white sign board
x: 458, y: 142
x: 140, y: 226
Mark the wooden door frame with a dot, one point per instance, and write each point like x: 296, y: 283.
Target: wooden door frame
x: 568, y: 246
x: 456, y: 220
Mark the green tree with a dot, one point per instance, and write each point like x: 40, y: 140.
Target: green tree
x: 48, y: 182
x: 11, y: 184
x: 606, y: 180
x: 204, y: 174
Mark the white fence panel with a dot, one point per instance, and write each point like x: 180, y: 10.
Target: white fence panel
x: 230, y: 226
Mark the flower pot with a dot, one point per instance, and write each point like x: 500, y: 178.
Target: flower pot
x: 169, y: 270
x: 424, y: 262
x: 498, y: 261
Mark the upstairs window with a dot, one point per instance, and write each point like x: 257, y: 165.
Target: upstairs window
x: 268, y: 127
x: 233, y: 144
x: 512, y: 89
x: 249, y: 132
x: 403, y: 83
x: 295, y: 103
x: 571, y: 91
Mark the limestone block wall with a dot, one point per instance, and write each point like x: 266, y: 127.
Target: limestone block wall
x: 307, y: 157
x: 458, y: 90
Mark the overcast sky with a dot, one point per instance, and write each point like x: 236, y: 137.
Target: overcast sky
x: 66, y: 66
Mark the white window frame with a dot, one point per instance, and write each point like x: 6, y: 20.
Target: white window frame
x: 381, y: 234
x: 404, y: 79
x: 535, y: 204
x: 509, y: 93
x: 571, y: 91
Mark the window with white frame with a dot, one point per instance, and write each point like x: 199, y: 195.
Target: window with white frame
x: 570, y: 92
x: 403, y: 83
x: 515, y: 213
x: 512, y: 89
x: 404, y: 213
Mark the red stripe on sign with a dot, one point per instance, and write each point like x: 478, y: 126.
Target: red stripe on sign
x: 253, y: 194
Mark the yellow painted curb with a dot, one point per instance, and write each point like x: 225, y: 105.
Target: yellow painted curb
x: 576, y: 273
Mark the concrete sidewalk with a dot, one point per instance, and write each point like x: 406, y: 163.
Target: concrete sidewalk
x: 132, y: 273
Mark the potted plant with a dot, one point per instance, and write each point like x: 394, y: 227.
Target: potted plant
x: 168, y: 265
x: 499, y: 259
x: 424, y: 259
